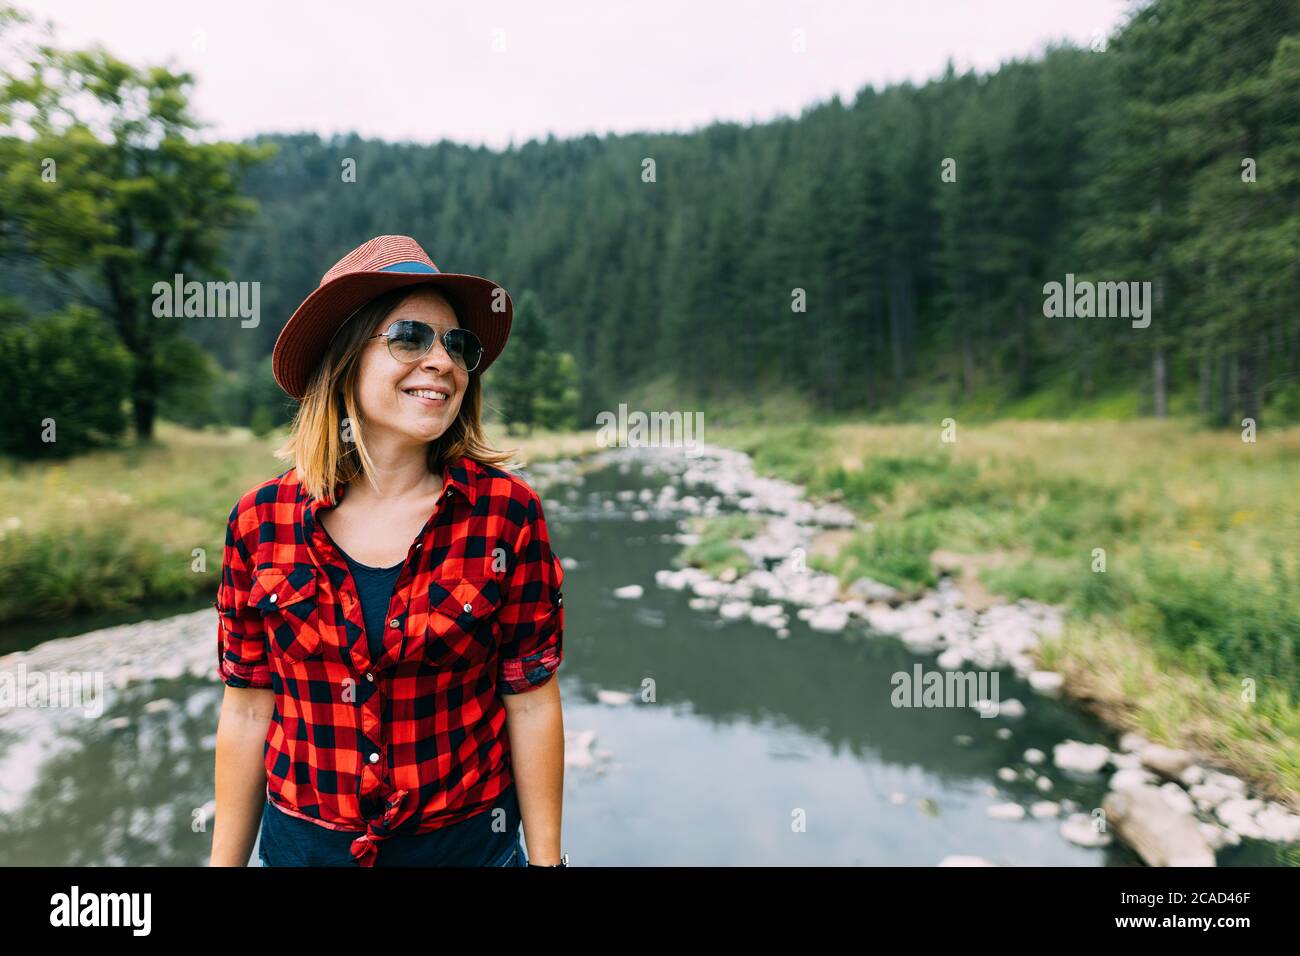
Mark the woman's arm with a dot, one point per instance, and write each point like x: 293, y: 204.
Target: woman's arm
x: 535, y: 726
x: 240, y: 773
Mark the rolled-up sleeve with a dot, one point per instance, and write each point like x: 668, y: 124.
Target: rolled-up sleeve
x: 242, y: 658
x: 532, y: 612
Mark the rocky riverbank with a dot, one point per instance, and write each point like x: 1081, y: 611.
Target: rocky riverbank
x: 1171, y: 806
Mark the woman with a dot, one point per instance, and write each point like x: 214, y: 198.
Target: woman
x: 390, y: 609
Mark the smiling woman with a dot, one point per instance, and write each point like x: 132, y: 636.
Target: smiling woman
x: 385, y: 602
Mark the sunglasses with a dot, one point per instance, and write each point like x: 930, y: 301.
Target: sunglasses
x: 409, y: 341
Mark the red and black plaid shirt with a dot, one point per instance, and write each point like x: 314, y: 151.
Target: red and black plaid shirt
x: 413, y: 741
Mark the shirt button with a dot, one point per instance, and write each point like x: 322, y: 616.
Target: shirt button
x: 274, y: 598
x: 370, y: 677
x: 394, y: 623
x: 374, y: 758
x: 468, y: 608
x: 559, y: 600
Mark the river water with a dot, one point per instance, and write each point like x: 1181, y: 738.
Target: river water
x: 755, y: 749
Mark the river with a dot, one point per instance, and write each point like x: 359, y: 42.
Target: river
x: 755, y: 749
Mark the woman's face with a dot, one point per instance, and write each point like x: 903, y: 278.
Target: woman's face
x: 397, y: 399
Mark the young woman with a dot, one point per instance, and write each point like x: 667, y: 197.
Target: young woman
x: 390, y: 610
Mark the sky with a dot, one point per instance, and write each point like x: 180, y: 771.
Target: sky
x: 495, y: 72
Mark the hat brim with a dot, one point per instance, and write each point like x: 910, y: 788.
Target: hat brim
x: 302, y: 342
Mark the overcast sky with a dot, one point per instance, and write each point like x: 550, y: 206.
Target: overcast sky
x: 493, y: 71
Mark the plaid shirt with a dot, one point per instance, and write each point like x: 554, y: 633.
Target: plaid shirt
x: 413, y: 741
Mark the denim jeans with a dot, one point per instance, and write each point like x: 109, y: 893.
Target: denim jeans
x: 288, y: 841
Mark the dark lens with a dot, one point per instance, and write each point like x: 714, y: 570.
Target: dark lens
x: 408, y: 339
x: 465, y: 348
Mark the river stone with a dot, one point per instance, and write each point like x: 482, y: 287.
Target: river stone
x: 1080, y: 757
x: 1043, y: 783
x: 1043, y: 809
x: 1218, y: 837
x: 830, y: 618
x: 1126, y: 760
x: 870, y: 589
x: 613, y: 696
x: 965, y: 861
x: 951, y: 659
x: 1078, y: 828
x: 1166, y: 761
x: 1279, y: 824
x: 1130, y: 778
x: 1192, y: 775
x: 632, y: 591
x: 734, y: 610
x: 1034, y: 755
x: 1177, y: 797
x: 1007, y: 775
x: 1160, y: 835
x: 1238, y: 815
x: 1132, y: 742
x: 1006, y: 811
x: 1047, y: 683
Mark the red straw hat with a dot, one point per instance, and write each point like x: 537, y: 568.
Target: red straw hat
x: 372, y: 268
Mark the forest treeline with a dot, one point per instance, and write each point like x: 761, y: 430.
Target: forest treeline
x: 881, y: 256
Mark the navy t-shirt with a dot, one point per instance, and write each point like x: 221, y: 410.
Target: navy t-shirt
x: 290, y: 841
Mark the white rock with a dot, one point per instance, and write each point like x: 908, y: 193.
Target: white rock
x: 1166, y: 761
x: 1047, y: 683
x: 1011, y: 707
x: 951, y: 659
x: 830, y: 618
x: 965, y: 861
x: 1192, y: 775
x: 734, y: 610
x: 1130, y: 778
x: 1078, y: 828
x: 1160, y: 835
x: 1218, y: 837
x: 1080, y: 757
x: 1177, y: 798
x: 1238, y: 815
x: 1042, y: 809
x: 1132, y: 741
x: 1006, y: 811
x: 631, y: 591
x: 1007, y: 775
x: 613, y: 696
x: 1043, y: 783
x: 1278, y: 824
x: 1034, y: 755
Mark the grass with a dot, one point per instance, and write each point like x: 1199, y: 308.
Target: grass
x: 715, y: 552
x: 1190, y: 632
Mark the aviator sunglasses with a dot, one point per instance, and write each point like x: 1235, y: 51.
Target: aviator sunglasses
x: 409, y: 340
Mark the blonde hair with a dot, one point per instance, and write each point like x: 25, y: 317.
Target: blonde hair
x: 316, y: 446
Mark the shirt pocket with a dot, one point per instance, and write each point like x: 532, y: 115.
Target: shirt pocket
x: 461, y: 623
x: 286, y: 596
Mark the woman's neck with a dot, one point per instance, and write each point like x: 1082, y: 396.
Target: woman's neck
x: 400, y: 470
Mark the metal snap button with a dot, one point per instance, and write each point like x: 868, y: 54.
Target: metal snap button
x: 394, y: 623
x: 274, y: 598
x: 374, y: 758
x: 370, y: 677
x: 468, y: 608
